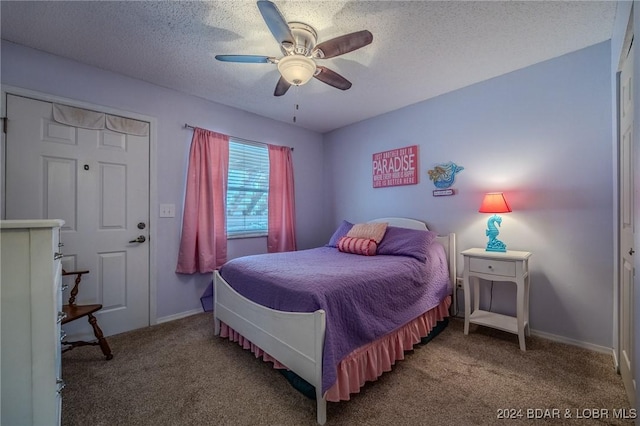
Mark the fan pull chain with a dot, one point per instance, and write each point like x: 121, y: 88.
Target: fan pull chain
x: 296, y: 106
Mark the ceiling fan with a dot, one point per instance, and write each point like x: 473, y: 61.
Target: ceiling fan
x: 298, y: 45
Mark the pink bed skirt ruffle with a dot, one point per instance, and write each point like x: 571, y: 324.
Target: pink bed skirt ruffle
x: 365, y: 363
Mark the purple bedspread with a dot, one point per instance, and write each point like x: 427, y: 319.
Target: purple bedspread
x: 364, y: 297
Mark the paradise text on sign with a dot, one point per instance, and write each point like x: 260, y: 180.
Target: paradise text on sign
x: 396, y: 167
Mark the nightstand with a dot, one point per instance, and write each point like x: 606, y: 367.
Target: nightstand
x: 510, y: 266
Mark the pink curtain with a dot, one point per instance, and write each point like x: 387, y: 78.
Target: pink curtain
x: 203, y: 245
x: 282, y: 209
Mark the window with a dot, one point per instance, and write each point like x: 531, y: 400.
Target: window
x: 248, y: 189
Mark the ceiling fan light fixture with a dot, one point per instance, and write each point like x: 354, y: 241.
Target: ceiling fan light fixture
x: 297, y: 69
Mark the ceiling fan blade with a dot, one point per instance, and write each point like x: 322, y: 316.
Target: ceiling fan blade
x: 332, y: 78
x: 252, y: 59
x: 276, y: 22
x: 343, y: 44
x: 282, y: 87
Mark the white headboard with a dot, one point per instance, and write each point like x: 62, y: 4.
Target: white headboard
x: 447, y: 241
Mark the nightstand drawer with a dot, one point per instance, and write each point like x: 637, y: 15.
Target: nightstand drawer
x: 493, y: 267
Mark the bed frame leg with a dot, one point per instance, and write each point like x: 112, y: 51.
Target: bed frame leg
x: 216, y: 326
x: 321, y: 409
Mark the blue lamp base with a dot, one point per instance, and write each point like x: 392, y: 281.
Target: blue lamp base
x: 492, y: 232
x: 501, y: 248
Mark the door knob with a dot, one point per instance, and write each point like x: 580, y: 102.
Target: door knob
x: 140, y: 239
x: 631, y: 251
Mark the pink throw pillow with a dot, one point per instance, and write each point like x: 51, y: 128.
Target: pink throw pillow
x: 373, y: 231
x: 362, y: 246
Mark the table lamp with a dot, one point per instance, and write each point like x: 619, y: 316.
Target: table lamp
x: 494, y: 202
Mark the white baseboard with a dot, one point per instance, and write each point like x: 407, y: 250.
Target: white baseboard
x: 178, y: 316
x: 569, y: 341
x: 574, y: 342
x: 616, y: 363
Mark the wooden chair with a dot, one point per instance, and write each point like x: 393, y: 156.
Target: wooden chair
x: 75, y: 312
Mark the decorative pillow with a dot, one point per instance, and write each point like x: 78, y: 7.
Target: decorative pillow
x: 372, y: 231
x: 361, y: 246
x: 406, y: 242
x: 339, y: 233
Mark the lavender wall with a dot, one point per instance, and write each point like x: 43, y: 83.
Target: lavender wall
x: 176, y: 294
x: 542, y: 135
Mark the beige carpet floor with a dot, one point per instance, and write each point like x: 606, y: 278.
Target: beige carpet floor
x: 179, y: 373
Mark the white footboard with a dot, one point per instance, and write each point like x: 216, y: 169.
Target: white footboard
x: 296, y: 339
x: 293, y: 338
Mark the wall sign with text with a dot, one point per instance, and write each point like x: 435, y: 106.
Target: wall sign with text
x: 396, y: 167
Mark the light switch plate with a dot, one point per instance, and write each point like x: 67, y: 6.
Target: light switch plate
x: 167, y: 210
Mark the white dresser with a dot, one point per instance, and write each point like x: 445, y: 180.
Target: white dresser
x: 30, y: 315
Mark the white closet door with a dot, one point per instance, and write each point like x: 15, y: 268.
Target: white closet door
x: 626, y: 289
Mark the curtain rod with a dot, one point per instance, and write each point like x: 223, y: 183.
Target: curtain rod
x: 189, y: 126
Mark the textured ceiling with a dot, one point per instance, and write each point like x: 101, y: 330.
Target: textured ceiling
x: 420, y: 49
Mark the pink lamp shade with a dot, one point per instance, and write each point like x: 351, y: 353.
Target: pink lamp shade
x: 494, y: 202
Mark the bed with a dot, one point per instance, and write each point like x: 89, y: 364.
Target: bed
x: 302, y: 337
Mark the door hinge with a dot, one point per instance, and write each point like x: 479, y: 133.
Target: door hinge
x: 4, y: 125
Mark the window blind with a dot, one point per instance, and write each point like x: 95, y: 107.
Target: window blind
x: 248, y: 189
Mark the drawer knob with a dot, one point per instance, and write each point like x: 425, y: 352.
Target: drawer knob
x: 490, y: 267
